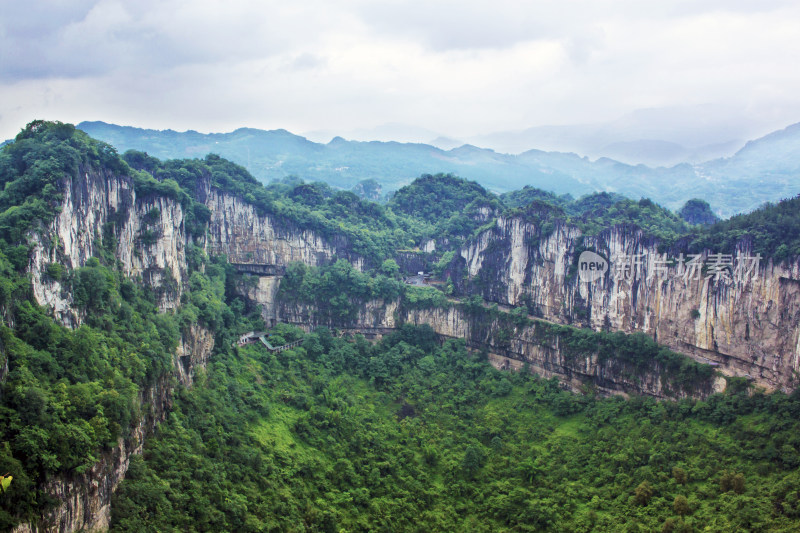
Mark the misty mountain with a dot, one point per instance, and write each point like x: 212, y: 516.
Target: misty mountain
x: 275, y: 154
x: 663, y: 136
x: 763, y: 170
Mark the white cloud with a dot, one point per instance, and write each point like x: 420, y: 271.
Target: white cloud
x: 454, y: 67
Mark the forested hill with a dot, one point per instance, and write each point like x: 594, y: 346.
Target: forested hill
x: 727, y: 184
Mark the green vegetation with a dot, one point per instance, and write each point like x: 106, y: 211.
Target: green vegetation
x: 70, y: 394
x: 412, y: 435
x: 636, y: 357
x: 450, y: 205
x: 596, y: 212
x: 651, y: 218
x: 336, y: 292
x: 773, y: 231
x: 437, y: 198
x: 31, y: 168
x: 528, y: 194
x: 726, y: 183
x: 697, y: 211
x: 443, y: 204
x: 372, y: 230
x: 368, y: 190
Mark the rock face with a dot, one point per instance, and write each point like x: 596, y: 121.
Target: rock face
x: 749, y: 327
x: 100, y: 209
x: 508, y: 346
x: 85, y: 499
x: 193, y: 352
x: 747, y: 322
x: 237, y: 229
x: 148, y: 236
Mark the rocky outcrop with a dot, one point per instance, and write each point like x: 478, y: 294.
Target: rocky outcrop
x: 100, y: 209
x: 101, y: 214
x: 749, y: 327
x: 192, y: 353
x: 238, y: 230
x: 746, y: 323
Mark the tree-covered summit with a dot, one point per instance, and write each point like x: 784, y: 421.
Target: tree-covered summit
x: 437, y: 198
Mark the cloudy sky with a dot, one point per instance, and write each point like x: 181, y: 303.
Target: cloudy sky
x: 458, y: 68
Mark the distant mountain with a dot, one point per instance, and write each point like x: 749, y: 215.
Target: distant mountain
x: 655, y: 137
x: 648, y: 152
x: 392, y: 131
x: 274, y: 154
x: 767, y: 169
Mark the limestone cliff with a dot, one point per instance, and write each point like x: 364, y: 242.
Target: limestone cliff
x: 749, y: 326
x: 100, y: 209
x: 508, y: 345
x: 245, y: 236
x: 100, y: 213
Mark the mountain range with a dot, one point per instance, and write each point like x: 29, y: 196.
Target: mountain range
x: 764, y: 170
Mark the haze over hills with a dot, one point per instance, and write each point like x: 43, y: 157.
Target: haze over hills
x: 655, y: 137
x: 660, y: 136
x: 766, y: 169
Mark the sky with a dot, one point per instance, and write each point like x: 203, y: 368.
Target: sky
x: 454, y: 68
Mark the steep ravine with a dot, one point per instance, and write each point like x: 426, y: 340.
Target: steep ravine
x: 100, y: 212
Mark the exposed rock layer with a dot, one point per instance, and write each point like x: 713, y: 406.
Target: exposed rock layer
x: 749, y: 326
x: 85, y: 499
x: 508, y: 346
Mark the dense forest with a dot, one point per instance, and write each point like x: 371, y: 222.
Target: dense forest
x: 412, y: 432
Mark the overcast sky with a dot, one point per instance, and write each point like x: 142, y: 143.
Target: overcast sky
x: 455, y: 67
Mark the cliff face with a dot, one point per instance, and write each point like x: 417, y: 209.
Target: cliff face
x: 236, y: 229
x: 749, y: 325
x: 85, y: 499
x: 508, y: 346
x: 101, y: 213
x: 146, y: 235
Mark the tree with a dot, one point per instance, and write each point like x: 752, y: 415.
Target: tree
x: 473, y: 461
x: 390, y: 268
x: 680, y: 505
x: 732, y: 481
x: 680, y: 475
x: 643, y: 493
